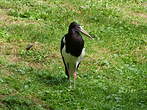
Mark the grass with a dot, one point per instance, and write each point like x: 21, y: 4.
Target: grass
x: 113, y: 75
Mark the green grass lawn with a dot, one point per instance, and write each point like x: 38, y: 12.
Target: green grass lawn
x: 113, y: 75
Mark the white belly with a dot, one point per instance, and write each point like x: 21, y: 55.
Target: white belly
x: 72, y: 61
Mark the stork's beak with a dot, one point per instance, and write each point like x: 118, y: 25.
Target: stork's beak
x: 84, y: 32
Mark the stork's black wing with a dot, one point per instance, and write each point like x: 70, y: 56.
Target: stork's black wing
x: 61, y: 47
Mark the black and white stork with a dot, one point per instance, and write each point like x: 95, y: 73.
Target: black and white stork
x: 72, y: 49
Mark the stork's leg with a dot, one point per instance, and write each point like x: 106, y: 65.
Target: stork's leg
x: 68, y: 74
x: 70, y: 86
x: 67, y: 71
x: 75, y: 77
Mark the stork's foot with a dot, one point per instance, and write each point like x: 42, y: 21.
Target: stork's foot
x: 70, y: 83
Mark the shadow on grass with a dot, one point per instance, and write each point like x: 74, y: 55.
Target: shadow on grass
x: 52, y: 80
x: 18, y: 102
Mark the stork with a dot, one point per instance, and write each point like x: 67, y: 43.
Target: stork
x: 72, y: 49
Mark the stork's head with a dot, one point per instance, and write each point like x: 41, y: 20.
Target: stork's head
x: 76, y: 27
